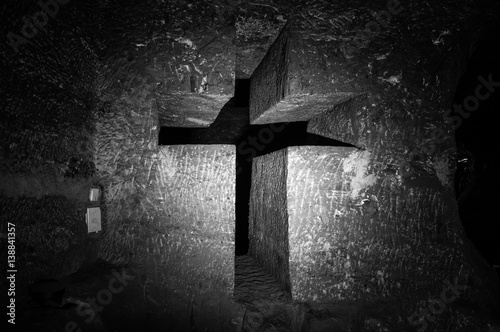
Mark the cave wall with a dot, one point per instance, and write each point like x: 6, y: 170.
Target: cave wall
x: 81, y: 106
x: 125, y: 155
x: 398, y: 117
x: 169, y: 209
x: 299, y: 78
x: 46, y: 157
x: 330, y: 226
x: 351, y: 238
x: 321, y: 184
x: 268, y: 215
x: 196, y: 221
x: 79, y: 109
x: 183, y: 54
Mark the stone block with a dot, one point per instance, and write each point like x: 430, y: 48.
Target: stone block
x: 331, y: 226
x: 196, y: 240
x: 346, y: 122
x: 298, y: 79
x: 301, y: 206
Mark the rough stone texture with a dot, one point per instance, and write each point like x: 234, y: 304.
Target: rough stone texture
x: 340, y: 123
x: 179, y: 56
x: 354, y: 233
x: 185, y: 193
x: 319, y: 193
x: 193, y: 93
x: 170, y: 209
x: 256, y: 30
x: 406, y: 81
x: 268, y: 216
x: 189, y: 109
x: 48, y: 91
x: 95, y: 65
x: 369, y: 123
x: 182, y: 240
x: 60, y: 219
x: 298, y: 79
x: 145, y: 216
x: 289, y: 211
x: 197, y: 195
x: 47, y: 88
x: 125, y: 152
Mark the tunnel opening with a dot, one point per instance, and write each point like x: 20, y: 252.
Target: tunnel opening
x: 232, y: 126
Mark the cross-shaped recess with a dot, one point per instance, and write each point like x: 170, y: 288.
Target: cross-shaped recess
x: 232, y: 126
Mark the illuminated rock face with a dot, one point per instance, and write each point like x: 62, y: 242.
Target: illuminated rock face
x: 376, y: 222
x: 298, y: 79
x: 84, y: 96
x: 329, y: 225
x: 197, y: 188
x: 302, y: 204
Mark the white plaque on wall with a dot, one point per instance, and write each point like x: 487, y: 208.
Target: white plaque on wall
x: 95, y: 193
x: 93, y: 217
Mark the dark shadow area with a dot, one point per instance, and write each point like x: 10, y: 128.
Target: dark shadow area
x: 476, y: 178
x: 229, y: 126
x: 243, y: 185
x: 274, y: 137
x: 242, y: 92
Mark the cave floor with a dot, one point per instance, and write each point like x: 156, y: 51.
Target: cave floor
x: 131, y: 301
x: 259, y: 304
x: 253, y: 284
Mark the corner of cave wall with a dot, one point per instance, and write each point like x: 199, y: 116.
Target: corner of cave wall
x: 268, y: 219
x: 125, y: 154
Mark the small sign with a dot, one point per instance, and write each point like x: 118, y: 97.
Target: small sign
x: 95, y: 194
x: 93, y: 217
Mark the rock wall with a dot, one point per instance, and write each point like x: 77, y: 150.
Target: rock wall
x: 196, y: 190
x: 173, y: 50
x: 85, y: 86
x: 48, y: 94
x: 398, y: 116
x: 167, y: 72
x: 48, y: 88
x: 320, y: 217
x: 299, y: 78
x: 268, y: 215
x: 171, y: 206
x: 353, y: 233
x: 125, y: 151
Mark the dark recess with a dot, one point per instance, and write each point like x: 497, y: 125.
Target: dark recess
x: 476, y: 178
x: 242, y: 92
